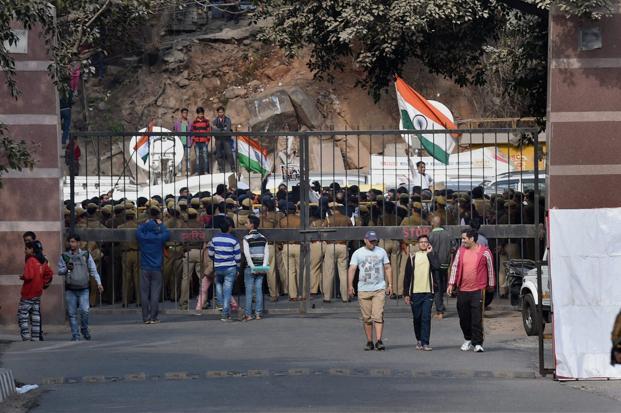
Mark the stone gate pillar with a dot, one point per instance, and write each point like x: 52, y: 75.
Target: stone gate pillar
x: 31, y: 200
x: 584, y: 111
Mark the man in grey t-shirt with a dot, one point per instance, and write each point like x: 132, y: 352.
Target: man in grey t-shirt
x: 375, y: 273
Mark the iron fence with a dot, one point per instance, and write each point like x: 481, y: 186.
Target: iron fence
x: 494, y: 178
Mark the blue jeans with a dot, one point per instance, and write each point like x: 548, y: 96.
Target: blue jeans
x: 65, y: 121
x: 224, y: 288
x: 253, y: 282
x: 202, y: 157
x: 421, y: 313
x: 77, y: 299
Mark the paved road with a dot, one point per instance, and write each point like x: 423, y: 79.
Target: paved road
x: 288, y: 363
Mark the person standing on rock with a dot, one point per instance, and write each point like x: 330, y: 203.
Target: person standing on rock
x: 201, y: 143
x: 183, y: 125
x: 224, y: 144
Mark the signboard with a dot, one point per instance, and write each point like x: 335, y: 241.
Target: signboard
x: 21, y: 47
x: 478, y: 163
x: 160, y: 148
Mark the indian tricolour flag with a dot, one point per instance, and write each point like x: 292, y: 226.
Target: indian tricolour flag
x: 142, y: 148
x: 418, y: 113
x: 253, y: 156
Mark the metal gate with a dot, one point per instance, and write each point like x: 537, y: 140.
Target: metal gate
x: 367, y: 176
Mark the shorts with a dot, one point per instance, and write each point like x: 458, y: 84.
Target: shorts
x: 372, y: 305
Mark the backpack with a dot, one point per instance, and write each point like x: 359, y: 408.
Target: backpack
x: 78, y: 278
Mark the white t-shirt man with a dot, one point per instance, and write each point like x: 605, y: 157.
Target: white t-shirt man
x: 370, y: 268
x: 422, y: 180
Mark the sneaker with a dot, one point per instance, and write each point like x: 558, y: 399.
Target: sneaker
x: 479, y: 348
x: 419, y: 345
x: 75, y: 338
x: 147, y: 321
x: 379, y: 346
x: 467, y: 346
x: 427, y: 347
x: 87, y: 336
x: 226, y: 319
x: 369, y: 346
x: 155, y: 321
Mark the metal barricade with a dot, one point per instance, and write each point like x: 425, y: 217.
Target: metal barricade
x: 328, y: 188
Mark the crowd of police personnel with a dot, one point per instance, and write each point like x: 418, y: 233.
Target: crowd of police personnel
x: 186, y: 263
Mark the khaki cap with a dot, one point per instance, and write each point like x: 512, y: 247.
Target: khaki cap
x: 192, y: 212
x: 247, y: 203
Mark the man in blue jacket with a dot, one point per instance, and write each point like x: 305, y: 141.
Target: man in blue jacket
x: 151, y: 237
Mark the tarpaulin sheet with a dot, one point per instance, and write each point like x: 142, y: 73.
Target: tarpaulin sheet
x: 585, y: 269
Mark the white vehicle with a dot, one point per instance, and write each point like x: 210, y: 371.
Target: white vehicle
x: 518, y: 181
x: 530, y: 298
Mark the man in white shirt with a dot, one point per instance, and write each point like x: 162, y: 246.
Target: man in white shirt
x: 420, y: 178
x: 374, y: 283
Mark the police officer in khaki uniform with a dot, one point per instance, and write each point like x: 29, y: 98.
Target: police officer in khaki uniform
x: 270, y: 218
x: 183, y: 209
x: 316, y: 250
x: 240, y: 217
x: 173, y: 259
x: 91, y: 221
x: 335, y: 254
x: 192, y: 259
x: 291, y: 250
x: 131, y: 270
x: 388, y: 217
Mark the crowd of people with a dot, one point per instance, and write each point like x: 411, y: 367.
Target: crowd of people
x: 190, y: 267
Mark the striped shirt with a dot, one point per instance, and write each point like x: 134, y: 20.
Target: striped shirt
x: 255, y: 249
x: 224, y: 250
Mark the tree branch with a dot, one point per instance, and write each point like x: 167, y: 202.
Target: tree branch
x: 527, y: 8
x: 92, y: 20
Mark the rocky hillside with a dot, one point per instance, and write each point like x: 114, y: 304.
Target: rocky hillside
x: 223, y: 63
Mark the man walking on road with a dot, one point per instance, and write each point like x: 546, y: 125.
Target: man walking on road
x: 151, y: 237
x: 472, y: 273
x: 440, y: 240
x: 225, y: 252
x: 418, y: 288
x: 77, y: 266
x: 374, y: 275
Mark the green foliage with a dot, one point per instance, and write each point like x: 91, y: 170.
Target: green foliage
x: 460, y: 39
x: 74, y: 30
x: 13, y: 155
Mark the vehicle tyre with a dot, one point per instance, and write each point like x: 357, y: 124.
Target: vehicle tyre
x: 530, y: 318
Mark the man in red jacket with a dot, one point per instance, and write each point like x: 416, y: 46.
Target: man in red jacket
x: 201, y: 143
x: 472, y: 273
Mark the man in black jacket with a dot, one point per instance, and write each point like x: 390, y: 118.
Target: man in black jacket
x: 418, y: 288
x: 441, y: 241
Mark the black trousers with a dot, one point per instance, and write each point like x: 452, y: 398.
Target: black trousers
x: 470, y: 310
x: 224, y: 153
x: 441, y: 279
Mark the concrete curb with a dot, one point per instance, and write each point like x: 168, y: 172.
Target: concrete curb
x: 7, y: 384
